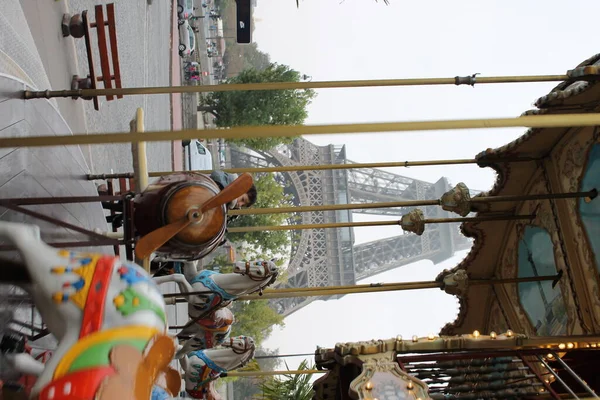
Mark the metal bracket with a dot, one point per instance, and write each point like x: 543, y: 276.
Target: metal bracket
x: 466, y: 80
x: 558, y: 276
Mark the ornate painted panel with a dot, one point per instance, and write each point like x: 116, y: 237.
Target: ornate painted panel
x: 508, y: 265
x: 570, y: 158
x: 543, y: 304
x: 589, y: 211
x: 497, y: 321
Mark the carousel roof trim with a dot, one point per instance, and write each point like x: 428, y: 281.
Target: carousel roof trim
x: 570, y: 96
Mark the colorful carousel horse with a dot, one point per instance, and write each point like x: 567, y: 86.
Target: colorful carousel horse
x: 203, y: 367
x: 222, y: 289
x: 210, y: 332
x: 108, y: 316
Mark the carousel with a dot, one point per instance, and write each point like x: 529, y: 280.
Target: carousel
x: 528, y: 289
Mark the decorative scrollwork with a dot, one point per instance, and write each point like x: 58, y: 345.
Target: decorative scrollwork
x: 457, y: 200
x: 414, y: 222
x: 455, y: 283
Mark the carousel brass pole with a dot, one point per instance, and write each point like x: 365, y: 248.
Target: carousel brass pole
x: 391, y: 287
x: 375, y: 223
x: 367, y: 288
x: 474, y: 282
x: 333, y: 207
x: 411, y: 203
x: 289, y: 168
x: 230, y: 87
x: 526, y: 121
x: 272, y: 373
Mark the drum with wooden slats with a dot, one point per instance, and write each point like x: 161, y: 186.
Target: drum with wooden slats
x: 168, y: 200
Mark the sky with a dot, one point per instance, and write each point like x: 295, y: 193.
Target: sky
x: 362, y: 39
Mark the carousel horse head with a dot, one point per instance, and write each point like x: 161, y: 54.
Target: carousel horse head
x: 203, y: 367
x: 207, y: 332
x: 258, y: 271
x: 108, y: 316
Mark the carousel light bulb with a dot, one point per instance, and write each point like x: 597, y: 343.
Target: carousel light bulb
x: 369, y: 386
x: 509, y: 333
x: 493, y: 335
x: 593, y: 344
x: 561, y: 346
x: 549, y: 356
x: 476, y: 334
x: 410, y: 386
x: 570, y: 345
x: 415, y: 338
x: 431, y: 336
x: 547, y: 381
x: 399, y: 338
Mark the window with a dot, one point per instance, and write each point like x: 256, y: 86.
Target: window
x: 590, y: 212
x: 201, y: 149
x: 543, y: 304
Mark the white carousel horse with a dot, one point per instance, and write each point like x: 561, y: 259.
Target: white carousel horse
x: 248, y: 277
x: 108, y: 316
x: 202, y: 367
x: 210, y: 332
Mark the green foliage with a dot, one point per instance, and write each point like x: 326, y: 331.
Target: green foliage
x: 268, y: 364
x: 292, y: 387
x: 254, y: 318
x: 264, y: 107
x: 254, y: 58
x: 249, y: 387
x: 264, y: 244
x: 225, y: 266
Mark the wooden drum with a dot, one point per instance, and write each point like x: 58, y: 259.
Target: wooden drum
x: 168, y: 200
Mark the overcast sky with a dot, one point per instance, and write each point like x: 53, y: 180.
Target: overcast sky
x: 362, y: 39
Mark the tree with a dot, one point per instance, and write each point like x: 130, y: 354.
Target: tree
x: 264, y: 244
x: 255, y: 319
x: 248, y: 387
x: 260, y: 107
x: 221, y: 264
x: 293, y: 387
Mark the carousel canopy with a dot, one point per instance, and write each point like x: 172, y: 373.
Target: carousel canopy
x: 561, y: 237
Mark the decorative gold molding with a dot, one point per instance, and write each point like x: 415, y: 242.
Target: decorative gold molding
x: 382, y: 378
x: 565, y: 170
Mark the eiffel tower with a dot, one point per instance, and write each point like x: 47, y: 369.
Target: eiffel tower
x: 329, y: 257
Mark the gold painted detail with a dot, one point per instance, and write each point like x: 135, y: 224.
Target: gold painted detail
x: 76, y: 291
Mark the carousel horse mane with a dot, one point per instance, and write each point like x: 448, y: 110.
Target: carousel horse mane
x: 108, y: 316
x: 207, y: 332
x: 220, y: 288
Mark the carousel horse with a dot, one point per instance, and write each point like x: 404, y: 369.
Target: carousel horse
x: 108, y: 316
x: 222, y: 289
x: 202, y: 367
x: 210, y: 332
